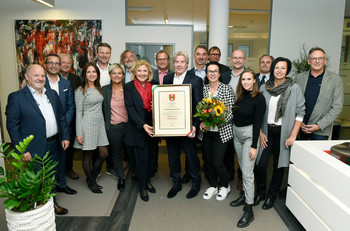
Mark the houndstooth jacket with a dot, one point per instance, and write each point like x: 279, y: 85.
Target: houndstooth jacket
x: 226, y: 95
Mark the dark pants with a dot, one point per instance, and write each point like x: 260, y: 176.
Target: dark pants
x: 61, y: 168
x: 53, y: 147
x: 273, y: 147
x: 213, y: 155
x: 174, y: 145
x: 71, y: 150
x: 116, y: 135
x: 145, y: 161
x: 304, y: 136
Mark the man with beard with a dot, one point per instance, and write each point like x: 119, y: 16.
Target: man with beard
x: 127, y: 58
x: 64, y: 90
x: 103, y: 56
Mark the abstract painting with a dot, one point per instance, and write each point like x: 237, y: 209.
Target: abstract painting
x: 37, y: 38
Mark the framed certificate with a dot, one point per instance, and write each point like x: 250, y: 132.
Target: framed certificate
x: 172, y: 110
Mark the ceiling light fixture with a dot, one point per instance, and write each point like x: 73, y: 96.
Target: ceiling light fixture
x: 145, y: 9
x: 249, y: 11
x: 49, y: 3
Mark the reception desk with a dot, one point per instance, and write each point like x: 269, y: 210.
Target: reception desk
x: 319, y: 187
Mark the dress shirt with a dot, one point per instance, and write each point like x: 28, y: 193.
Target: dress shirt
x: 179, y: 79
x: 46, y: 109
x: 127, y: 76
x: 54, y: 86
x: 104, y: 76
x: 161, y: 75
x: 200, y: 73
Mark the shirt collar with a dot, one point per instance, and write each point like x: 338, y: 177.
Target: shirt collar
x: 58, y: 79
x: 33, y: 91
x: 181, y: 76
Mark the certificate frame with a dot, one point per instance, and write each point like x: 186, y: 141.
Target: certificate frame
x: 172, y: 110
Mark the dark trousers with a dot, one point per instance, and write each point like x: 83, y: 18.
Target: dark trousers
x: 273, y: 147
x: 61, y: 168
x: 116, y: 135
x: 53, y: 147
x: 213, y: 154
x: 304, y: 136
x: 145, y: 160
x: 174, y: 145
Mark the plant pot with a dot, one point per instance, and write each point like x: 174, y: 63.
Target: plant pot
x: 41, y: 218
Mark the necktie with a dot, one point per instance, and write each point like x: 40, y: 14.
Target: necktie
x: 263, y: 80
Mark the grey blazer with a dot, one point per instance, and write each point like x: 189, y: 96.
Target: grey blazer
x: 295, y: 108
x: 329, y: 103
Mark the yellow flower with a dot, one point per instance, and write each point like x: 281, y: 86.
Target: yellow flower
x: 209, y: 100
x: 219, y: 110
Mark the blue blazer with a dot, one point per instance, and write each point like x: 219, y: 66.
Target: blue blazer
x: 66, y: 97
x: 24, y: 118
x: 197, y: 91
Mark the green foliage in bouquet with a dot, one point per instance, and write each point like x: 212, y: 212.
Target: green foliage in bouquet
x: 26, y: 184
x: 211, y: 111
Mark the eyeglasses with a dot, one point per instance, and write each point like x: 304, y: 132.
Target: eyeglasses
x: 317, y: 58
x: 52, y: 63
x: 215, y: 54
x: 213, y: 72
x: 160, y: 60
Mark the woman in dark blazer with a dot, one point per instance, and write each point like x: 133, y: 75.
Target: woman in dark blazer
x: 116, y: 118
x: 138, y: 101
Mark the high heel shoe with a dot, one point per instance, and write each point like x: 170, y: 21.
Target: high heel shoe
x: 150, y: 188
x: 144, y: 195
x: 88, y: 182
x: 94, y: 190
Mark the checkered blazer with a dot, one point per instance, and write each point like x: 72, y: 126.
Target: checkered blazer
x: 227, y: 97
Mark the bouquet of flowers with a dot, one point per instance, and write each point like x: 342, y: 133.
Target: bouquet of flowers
x: 211, y: 111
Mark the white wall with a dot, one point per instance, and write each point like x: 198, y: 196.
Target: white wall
x: 309, y: 22
x: 114, y: 32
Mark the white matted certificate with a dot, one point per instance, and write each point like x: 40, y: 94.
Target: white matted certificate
x: 172, y: 110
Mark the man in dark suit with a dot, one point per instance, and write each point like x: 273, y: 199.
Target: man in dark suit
x: 75, y: 81
x: 163, y: 61
x: 174, y: 144
x: 64, y: 90
x: 37, y: 111
x: 214, y: 56
x: 264, y: 68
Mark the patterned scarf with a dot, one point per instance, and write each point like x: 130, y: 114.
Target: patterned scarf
x: 284, y: 91
x: 145, y: 93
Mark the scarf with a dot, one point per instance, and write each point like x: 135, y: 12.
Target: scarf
x: 145, y: 93
x: 284, y: 91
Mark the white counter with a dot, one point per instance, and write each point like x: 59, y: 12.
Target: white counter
x: 319, y: 187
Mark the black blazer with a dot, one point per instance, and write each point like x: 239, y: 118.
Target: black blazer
x: 137, y: 116
x: 107, y: 97
x: 75, y: 81
x: 156, y: 76
x: 197, y: 91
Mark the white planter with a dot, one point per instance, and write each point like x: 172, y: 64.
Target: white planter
x: 42, y: 218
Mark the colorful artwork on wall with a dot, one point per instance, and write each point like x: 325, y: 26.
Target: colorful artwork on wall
x: 37, y: 38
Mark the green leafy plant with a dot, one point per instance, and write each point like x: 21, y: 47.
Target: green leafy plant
x: 26, y: 184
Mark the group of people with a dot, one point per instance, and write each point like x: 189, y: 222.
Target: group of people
x: 108, y: 114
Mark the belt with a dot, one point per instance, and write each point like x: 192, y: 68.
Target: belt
x: 274, y: 125
x: 51, y: 138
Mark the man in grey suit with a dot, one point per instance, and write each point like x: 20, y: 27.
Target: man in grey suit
x: 163, y: 61
x: 323, y: 91
x: 265, y: 62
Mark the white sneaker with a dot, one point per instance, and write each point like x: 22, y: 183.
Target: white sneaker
x: 223, y: 192
x: 209, y: 193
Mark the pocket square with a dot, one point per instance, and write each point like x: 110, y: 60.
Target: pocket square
x: 65, y: 89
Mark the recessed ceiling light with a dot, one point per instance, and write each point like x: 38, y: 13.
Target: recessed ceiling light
x: 49, y: 3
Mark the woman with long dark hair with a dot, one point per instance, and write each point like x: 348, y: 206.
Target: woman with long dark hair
x: 90, y: 130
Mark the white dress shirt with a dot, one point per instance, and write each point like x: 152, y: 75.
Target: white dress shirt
x: 179, y: 79
x: 104, y: 76
x: 54, y: 86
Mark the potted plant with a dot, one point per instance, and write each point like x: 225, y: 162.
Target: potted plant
x: 27, y: 187
x: 301, y: 64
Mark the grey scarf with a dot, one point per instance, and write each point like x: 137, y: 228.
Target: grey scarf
x: 284, y: 91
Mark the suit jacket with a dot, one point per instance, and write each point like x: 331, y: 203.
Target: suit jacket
x: 156, y: 76
x: 197, y: 91
x: 137, y: 116
x: 75, y: 81
x: 66, y: 97
x: 329, y: 103
x: 24, y: 118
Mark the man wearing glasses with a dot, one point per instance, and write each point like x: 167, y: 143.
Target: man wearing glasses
x: 214, y: 56
x: 163, y: 61
x: 323, y: 91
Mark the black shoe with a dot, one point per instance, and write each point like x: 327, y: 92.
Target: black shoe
x: 121, y: 185
x: 66, y: 190
x: 144, y: 195
x: 88, y: 182
x: 186, y: 178
x: 239, y: 201
x: 268, y: 204
x: 258, y: 198
x: 133, y: 177
x: 150, y: 188
x: 95, y: 189
x: 174, y: 190
x: 192, y: 193
x: 247, y: 217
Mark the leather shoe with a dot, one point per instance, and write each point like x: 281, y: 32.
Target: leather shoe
x: 186, y: 178
x: 73, y: 175
x: 258, y: 198
x: 239, y: 184
x: 144, y: 195
x: 268, y: 204
x: 66, y: 190
x: 150, y: 188
x: 174, y: 190
x: 60, y: 210
x: 121, y: 185
x: 239, y: 201
x: 134, y: 177
x: 192, y: 193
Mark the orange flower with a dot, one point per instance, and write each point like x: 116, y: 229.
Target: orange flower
x: 205, y: 111
x: 210, y: 110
